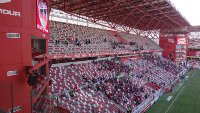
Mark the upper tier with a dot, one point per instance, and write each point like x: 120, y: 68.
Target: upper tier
x: 73, y: 39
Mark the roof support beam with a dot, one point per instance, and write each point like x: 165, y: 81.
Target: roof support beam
x: 111, y: 9
x: 150, y: 15
x: 82, y: 7
x: 77, y: 4
x: 113, y: 15
x: 127, y: 16
x: 162, y: 12
x: 148, y: 23
x: 139, y: 20
x: 89, y: 7
x: 99, y: 11
x: 125, y: 12
x: 53, y: 3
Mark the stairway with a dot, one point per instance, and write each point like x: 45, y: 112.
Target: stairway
x: 119, y: 37
x: 62, y: 110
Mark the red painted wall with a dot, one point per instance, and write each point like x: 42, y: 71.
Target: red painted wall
x: 193, y: 52
x: 15, y: 53
x: 169, y: 45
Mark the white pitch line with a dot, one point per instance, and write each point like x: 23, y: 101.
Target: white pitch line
x: 174, y: 99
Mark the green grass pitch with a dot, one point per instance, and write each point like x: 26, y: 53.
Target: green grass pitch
x: 186, y: 97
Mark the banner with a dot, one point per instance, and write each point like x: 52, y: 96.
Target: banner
x: 170, y: 40
x: 42, y: 16
x: 194, y: 52
x: 181, y: 41
x: 58, y: 56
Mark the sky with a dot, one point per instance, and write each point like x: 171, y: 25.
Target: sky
x: 190, y: 9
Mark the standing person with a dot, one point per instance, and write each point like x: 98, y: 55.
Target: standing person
x: 67, y: 42
x: 75, y: 87
x: 129, y: 109
x: 86, y: 41
x: 105, y: 40
x: 89, y: 42
x: 73, y: 39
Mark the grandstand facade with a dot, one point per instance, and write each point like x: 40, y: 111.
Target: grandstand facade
x: 90, y: 56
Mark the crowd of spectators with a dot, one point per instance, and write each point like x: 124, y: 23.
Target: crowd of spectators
x: 77, y: 39
x: 193, y: 63
x: 126, y: 83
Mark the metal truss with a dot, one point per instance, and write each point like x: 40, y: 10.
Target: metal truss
x: 194, y: 35
x: 141, y: 17
x: 193, y: 32
x: 144, y: 15
x: 64, y: 17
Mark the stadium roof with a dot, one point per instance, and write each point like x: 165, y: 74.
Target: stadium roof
x: 181, y: 30
x: 139, y: 14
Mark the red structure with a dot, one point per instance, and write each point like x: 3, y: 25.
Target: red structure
x: 193, y: 49
x: 19, y: 34
x: 193, y: 52
x: 139, y: 14
x: 24, y: 35
x: 174, y: 47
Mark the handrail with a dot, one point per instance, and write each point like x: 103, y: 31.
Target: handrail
x: 40, y: 92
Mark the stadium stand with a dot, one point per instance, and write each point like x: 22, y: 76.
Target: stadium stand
x: 61, y: 67
x: 194, y: 64
x: 194, y: 43
x: 112, y: 85
x: 140, y: 42
x: 72, y: 39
